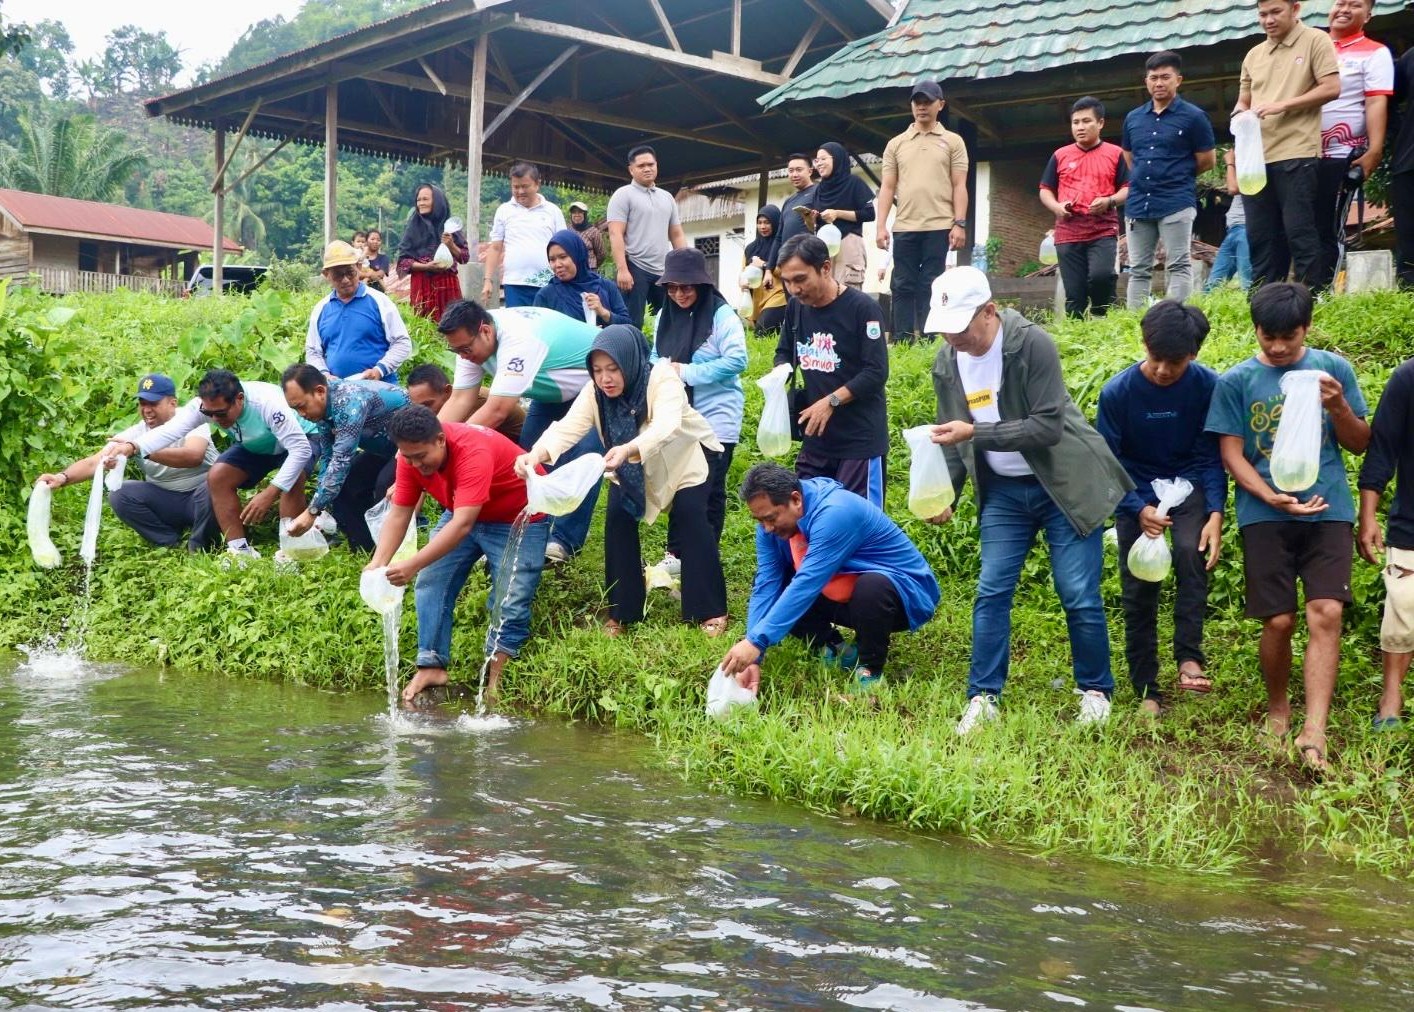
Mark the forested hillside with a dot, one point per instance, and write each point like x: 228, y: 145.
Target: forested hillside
x: 77, y: 128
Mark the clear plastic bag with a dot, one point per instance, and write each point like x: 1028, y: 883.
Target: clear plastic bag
x: 1296, y: 450
x: 443, y: 256
x: 724, y: 694
x: 832, y: 237
x: 1150, y: 558
x: 930, y: 488
x: 307, y: 547
x: 773, y: 430
x: 1047, y: 253
x: 375, y: 517
x: 1248, y: 152
x: 752, y: 277
x: 114, y: 478
x: 378, y: 593
x: 37, y: 527
x: 562, y: 490
x: 92, y: 517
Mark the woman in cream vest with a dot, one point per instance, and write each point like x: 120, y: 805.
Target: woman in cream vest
x: 655, y: 441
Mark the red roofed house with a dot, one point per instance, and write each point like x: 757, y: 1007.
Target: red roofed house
x: 67, y: 245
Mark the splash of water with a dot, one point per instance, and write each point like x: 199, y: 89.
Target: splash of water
x: 504, y: 579
x: 392, y: 621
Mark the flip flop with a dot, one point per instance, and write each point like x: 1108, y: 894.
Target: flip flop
x: 1318, y: 764
x: 714, y: 627
x: 1198, y: 683
x: 1386, y: 723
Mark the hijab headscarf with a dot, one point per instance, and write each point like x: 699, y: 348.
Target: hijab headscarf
x: 624, y: 415
x: 423, y: 232
x: 680, y: 332
x: 766, y: 247
x: 567, y: 296
x: 836, y: 189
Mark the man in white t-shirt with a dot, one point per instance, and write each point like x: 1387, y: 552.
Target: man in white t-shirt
x: 528, y: 352
x: 520, y: 232
x: 1036, y: 465
x: 1354, y: 123
x: 172, y: 501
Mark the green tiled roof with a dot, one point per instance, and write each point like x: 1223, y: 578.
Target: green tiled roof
x: 971, y: 40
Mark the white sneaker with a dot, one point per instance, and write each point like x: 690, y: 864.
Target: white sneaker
x: 556, y: 554
x: 981, y: 709
x: 1094, y: 708
x: 246, y: 551
x: 671, y: 565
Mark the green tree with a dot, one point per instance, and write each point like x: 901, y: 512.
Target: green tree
x: 48, y: 55
x: 69, y: 156
x: 139, y: 62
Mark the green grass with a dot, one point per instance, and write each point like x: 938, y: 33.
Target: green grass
x: 1199, y: 789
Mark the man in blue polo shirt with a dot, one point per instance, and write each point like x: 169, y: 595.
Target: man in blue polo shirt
x: 1167, y: 143
x: 355, y: 332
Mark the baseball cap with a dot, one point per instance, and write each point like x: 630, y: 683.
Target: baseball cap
x: 339, y: 254
x: 154, y: 386
x: 579, y: 205
x: 929, y: 89
x: 957, y: 295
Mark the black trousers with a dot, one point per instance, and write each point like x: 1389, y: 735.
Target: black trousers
x: 1330, y: 178
x: 875, y: 612
x: 718, y: 464
x: 1401, y: 191
x: 1088, y: 273
x: 704, y: 589
x: 1281, y: 224
x: 646, y: 293
x: 919, y: 257
x: 770, y: 320
x: 367, y: 481
x: 1140, y: 598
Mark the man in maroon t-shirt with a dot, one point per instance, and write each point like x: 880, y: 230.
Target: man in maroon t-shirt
x: 470, y: 471
x: 1083, y: 184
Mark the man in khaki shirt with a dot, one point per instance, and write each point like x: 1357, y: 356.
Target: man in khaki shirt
x: 925, y: 184
x: 1285, y: 80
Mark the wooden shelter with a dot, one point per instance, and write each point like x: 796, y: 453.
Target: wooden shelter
x: 567, y: 85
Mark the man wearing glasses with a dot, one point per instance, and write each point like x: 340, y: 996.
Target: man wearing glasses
x: 265, y: 434
x: 1036, y: 465
x: 532, y: 352
x: 355, y: 332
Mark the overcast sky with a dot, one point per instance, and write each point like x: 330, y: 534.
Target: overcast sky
x: 202, y: 32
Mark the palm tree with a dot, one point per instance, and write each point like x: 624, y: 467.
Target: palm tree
x: 69, y: 156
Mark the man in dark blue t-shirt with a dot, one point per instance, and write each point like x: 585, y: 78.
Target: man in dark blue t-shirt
x: 1153, y: 415
x: 1167, y: 142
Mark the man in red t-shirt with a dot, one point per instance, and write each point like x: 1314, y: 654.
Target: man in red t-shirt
x: 1083, y: 184
x: 470, y: 471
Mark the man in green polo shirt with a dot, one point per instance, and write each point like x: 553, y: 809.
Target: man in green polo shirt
x: 531, y: 352
x: 1286, y: 79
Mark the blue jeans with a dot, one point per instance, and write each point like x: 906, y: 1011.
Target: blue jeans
x: 518, y: 295
x: 1233, y: 257
x: 1013, y: 510
x: 572, y: 530
x: 435, y: 593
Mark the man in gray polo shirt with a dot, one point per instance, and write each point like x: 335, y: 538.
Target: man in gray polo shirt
x: 644, y: 225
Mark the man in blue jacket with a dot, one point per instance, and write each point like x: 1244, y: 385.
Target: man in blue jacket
x: 827, y: 557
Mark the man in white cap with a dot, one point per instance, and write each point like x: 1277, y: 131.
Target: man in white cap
x: 355, y: 332
x: 1005, y: 419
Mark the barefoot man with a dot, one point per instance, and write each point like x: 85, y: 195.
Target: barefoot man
x: 470, y: 471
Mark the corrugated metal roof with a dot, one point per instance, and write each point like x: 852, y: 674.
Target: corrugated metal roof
x: 39, y: 212
x: 973, y: 40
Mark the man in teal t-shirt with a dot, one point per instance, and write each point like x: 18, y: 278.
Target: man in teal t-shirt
x: 532, y: 352
x: 1286, y: 537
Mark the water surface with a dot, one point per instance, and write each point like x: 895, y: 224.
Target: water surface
x: 182, y: 842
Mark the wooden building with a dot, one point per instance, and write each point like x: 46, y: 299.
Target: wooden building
x: 67, y: 245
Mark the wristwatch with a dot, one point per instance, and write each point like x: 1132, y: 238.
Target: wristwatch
x: 834, y: 400
x: 314, y: 511
x: 959, y: 223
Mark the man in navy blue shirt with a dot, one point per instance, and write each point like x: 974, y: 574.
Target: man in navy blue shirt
x: 354, y: 332
x: 1167, y: 143
x: 1153, y: 416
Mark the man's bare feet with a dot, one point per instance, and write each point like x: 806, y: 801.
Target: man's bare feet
x: 1151, y: 707
x: 1277, y: 725
x: 1311, y: 746
x: 425, y: 678
x: 493, y: 675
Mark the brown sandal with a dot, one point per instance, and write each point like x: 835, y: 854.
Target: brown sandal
x: 613, y: 628
x: 714, y: 627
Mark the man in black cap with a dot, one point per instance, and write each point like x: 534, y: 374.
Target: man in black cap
x: 925, y: 185
x: 173, y: 499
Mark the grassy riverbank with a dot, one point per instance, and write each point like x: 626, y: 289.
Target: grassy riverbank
x: 1199, y: 789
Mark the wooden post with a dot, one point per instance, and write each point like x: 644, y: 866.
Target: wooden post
x: 331, y: 163
x: 218, y: 240
x: 967, y: 130
x: 761, y: 188
x: 476, y: 118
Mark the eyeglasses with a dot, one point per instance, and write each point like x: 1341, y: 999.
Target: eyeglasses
x: 343, y: 272
x: 673, y: 289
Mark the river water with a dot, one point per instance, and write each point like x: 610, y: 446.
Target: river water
x: 184, y: 842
